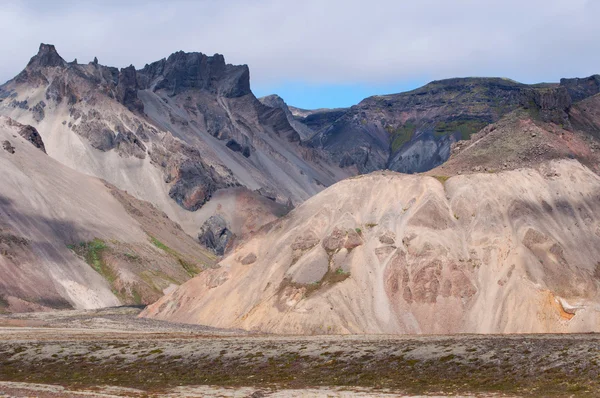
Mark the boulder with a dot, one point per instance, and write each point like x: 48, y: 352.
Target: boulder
x: 8, y: 147
x: 249, y: 259
x: 215, y: 234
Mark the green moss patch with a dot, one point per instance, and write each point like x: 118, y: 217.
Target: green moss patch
x: 330, y: 278
x: 92, y: 252
x: 441, y: 179
x: 466, y: 128
x: 191, y: 269
x: 401, y: 135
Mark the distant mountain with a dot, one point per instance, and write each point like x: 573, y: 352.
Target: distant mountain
x: 414, y: 131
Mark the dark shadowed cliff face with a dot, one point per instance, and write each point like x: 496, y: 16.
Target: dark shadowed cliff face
x: 127, y: 88
x: 274, y: 101
x: 187, y: 71
x: 580, y: 89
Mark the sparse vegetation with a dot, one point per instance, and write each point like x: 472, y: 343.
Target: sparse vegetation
x: 395, y: 364
x: 132, y: 256
x: 441, y: 179
x: 466, y: 128
x: 447, y: 358
x: 92, y: 252
x: 330, y: 278
x: 3, y: 305
x: 191, y: 269
x: 137, y: 299
x: 161, y: 245
x: 402, y: 135
x: 533, y: 110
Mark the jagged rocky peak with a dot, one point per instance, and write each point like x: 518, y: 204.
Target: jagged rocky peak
x: 183, y: 71
x: 127, y: 89
x: 46, y: 57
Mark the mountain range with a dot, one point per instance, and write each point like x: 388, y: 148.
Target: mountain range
x: 122, y: 184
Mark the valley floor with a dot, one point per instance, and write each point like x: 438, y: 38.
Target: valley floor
x: 111, y: 353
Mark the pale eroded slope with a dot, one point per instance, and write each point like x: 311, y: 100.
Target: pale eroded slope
x: 509, y: 252
x: 45, y: 206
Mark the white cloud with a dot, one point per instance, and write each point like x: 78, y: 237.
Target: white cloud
x: 320, y: 41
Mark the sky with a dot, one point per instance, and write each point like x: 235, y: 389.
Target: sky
x: 319, y: 53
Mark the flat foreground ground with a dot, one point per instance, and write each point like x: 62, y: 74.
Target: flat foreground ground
x: 111, y: 353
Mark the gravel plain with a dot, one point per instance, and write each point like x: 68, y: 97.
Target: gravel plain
x: 111, y: 353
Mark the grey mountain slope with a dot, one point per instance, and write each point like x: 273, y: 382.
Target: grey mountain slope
x: 202, y: 98
x: 275, y: 101
x: 201, y: 131
x: 45, y: 207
